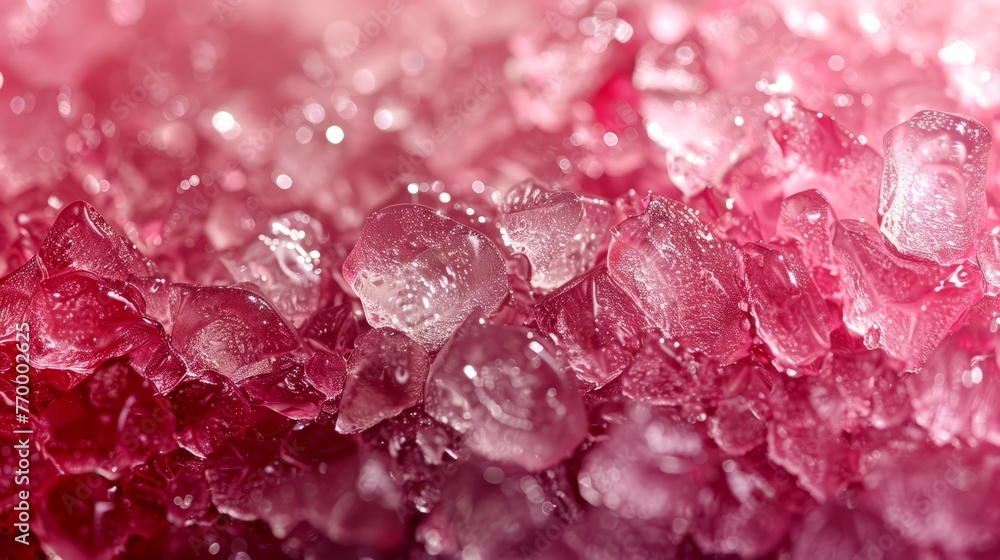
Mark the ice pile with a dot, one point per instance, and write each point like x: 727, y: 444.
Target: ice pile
x: 478, y: 280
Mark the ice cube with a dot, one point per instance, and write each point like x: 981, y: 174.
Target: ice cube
x: 933, y: 198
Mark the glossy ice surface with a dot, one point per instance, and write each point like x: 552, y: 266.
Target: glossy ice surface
x: 511, y: 280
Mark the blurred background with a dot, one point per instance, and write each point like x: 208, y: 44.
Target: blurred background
x: 191, y: 124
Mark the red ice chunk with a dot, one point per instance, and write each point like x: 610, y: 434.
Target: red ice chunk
x: 804, y: 442
x: 78, y: 321
x: 787, y: 307
x: 902, y: 306
x: 559, y: 231
x: 956, y: 394
x: 283, y: 386
x: 209, y: 410
x: 108, y: 423
x: 81, y: 240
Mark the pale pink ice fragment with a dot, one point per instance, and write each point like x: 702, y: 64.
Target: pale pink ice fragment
x: 652, y: 468
x: 423, y: 274
x: 933, y: 199
x: 956, y: 395
x: 684, y: 277
x: 596, y: 324
x: 808, y: 219
x: 788, y: 309
x: 386, y: 374
x: 559, y: 231
x: 818, y: 153
x: 902, y: 306
x: 508, y: 392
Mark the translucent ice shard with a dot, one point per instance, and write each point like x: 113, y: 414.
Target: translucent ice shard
x: 662, y: 373
x: 684, y: 277
x: 386, y: 374
x: 223, y: 329
x: 902, y: 306
x: 808, y: 219
x: 281, y: 384
x: 285, y: 263
x: 423, y: 274
x: 787, y: 307
x: 933, y: 197
x: 506, y: 390
x: 81, y: 240
x: 15, y: 295
x: 872, y: 388
x: 737, y: 425
x: 988, y: 257
x: 596, y: 324
x: 559, y: 231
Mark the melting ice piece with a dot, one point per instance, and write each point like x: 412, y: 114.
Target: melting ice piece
x: 386, y: 374
x: 285, y: 264
x: 684, y: 277
x: 560, y: 232
x: 933, y: 197
x: 596, y: 324
x: 423, y: 274
x: 790, y: 313
x: 506, y: 390
x: 902, y: 306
